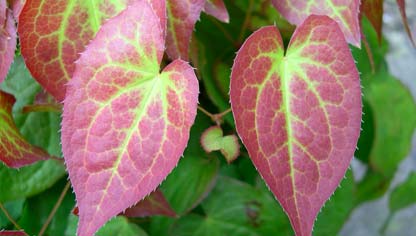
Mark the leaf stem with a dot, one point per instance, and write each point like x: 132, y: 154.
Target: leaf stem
x: 246, y: 21
x: 386, y: 224
x: 214, y: 117
x: 55, y: 208
x: 205, y: 111
x: 42, y: 108
x: 9, y: 217
x: 60, y: 160
x: 369, y: 53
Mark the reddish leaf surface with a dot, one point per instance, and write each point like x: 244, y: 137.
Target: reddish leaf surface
x: 54, y: 32
x: 125, y: 125
x: 13, y: 233
x: 154, y: 204
x: 373, y: 10
x: 182, y: 16
x: 217, y: 9
x: 159, y: 7
x: 298, y: 113
x: 402, y: 7
x: 15, y: 151
x: 3, y: 12
x: 7, y: 39
x: 344, y: 12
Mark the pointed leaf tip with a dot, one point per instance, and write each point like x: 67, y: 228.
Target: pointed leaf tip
x: 124, y: 125
x: 15, y: 151
x: 344, y: 12
x: 217, y: 9
x: 298, y: 114
x: 182, y: 16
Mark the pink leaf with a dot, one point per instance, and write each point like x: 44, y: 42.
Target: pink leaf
x: 53, y: 33
x: 15, y: 151
x: 17, y: 6
x: 3, y: 12
x: 182, y: 16
x: 159, y: 7
x: 402, y: 7
x: 125, y: 125
x: 217, y: 9
x: 344, y: 12
x: 7, y: 39
x: 298, y: 113
x: 154, y: 204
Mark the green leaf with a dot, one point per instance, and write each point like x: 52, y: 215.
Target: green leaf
x: 120, y: 226
x: 193, y: 178
x: 404, y: 194
x: 337, y: 210
x: 372, y: 186
x: 39, y: 207
x: 378, y: 49
x: 29, y: 180
x: 15, y: 210
x: 394, y: 113
x: 236, y: 208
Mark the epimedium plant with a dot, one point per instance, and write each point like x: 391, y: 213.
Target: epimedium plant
x: 119, y: 73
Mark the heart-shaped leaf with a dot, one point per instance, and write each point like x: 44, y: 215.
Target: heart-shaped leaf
x: 298, y: 113
x: 217, y: 9
x: 344, y: 12
x: 125, y: 125
x: 182, y: 16
x: 7, y: 39
x: 15, y: 151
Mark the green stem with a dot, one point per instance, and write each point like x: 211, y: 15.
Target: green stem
x: 42, y: 108
x: 215, y: 117
x: 247, y: 20
x: 55, y: 208
x: 9, y: 217
x: 386, y: 224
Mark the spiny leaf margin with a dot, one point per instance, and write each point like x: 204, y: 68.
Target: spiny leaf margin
x: 124, y: 124
x: 299, y: 113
